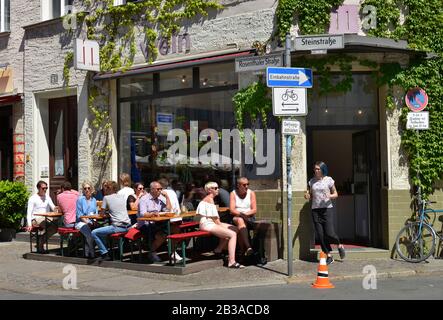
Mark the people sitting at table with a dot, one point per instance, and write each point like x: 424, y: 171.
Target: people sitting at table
x: 86, y: 206
x: 67, y: 202
x: 243, y: 207
x: 125, y: 185
x: 41, y: 203
x: 151, y: 204
x: 102, y: 192
x: 171, y: 193
x: 134, y: 199
x: 210, y: 221
x: 120, y: 222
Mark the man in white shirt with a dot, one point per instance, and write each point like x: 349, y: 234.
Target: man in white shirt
x: 40, y: 203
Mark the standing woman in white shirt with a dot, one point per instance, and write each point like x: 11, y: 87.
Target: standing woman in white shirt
x: 210, y: 221
x: 321, y: 190
x: 40, y: 203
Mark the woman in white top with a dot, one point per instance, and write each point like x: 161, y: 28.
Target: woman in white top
x: 125, y: 183
x: 321, y: 190
x: 243, y: 206
x: 210, y: 221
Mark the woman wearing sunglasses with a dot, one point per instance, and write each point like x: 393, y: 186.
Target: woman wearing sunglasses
x: 86, y: 206
x: 210, y: 221
x: 134, y: 199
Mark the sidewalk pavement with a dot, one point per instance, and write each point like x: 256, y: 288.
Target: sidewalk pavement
x: 46, y: 278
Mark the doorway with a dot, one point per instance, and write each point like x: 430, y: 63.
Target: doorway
x: 63, y: 157
x: 6, y: 164
x: 352, y: 157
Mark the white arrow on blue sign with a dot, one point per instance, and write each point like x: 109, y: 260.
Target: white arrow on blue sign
x: 289, y: 77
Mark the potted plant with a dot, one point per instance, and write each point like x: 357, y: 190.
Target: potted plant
x: 13, y: 199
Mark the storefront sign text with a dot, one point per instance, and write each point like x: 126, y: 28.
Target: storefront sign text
x: 179, y: 44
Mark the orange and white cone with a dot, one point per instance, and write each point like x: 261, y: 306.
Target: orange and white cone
x: 322, y: 281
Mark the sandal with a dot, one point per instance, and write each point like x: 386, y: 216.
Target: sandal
x: 236, y: 266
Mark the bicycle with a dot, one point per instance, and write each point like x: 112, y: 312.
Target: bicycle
x: 416, y: 240
x: 289, y: 94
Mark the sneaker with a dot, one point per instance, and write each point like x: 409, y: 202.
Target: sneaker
x: 177, y: 257
x: 329, y: 260
x: 342, y: 252
x: 154, y: 257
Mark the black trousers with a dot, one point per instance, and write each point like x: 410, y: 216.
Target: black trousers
x: 324, y: 228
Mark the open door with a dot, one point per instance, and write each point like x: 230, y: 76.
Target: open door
x: 364, y: 187
x: 63, y: 163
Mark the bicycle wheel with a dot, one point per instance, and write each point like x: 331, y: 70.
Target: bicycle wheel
x: 412, y: 247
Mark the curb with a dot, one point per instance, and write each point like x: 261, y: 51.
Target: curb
x: 380, y: 275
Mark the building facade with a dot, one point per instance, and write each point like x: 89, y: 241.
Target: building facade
x: 55, y: 109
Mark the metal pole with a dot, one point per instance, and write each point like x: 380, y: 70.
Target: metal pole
x: 288, y: 166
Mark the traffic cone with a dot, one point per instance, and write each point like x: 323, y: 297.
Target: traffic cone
x: 322, y: 281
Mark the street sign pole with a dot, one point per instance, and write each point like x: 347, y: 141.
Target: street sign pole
x: 288, y: 166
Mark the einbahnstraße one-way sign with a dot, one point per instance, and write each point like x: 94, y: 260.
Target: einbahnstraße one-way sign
x: 289, y: 77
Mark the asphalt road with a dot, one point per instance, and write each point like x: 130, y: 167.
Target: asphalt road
x: 410, y: 288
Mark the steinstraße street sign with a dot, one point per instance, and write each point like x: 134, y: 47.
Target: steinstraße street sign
x: 416, y: 99
x: 319, y: 42
x: 289, y: 102
x: 290, y: 126
x: 258, y: 62
x: 289, y: 77
x: 418, y: 120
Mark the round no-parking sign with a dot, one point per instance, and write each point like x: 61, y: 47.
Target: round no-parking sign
x: 416, y: 99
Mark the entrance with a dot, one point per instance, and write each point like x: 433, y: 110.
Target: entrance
x: 343, y: 132
x: 63, y: 157
x: 351, y: 155
x: 6, y: 143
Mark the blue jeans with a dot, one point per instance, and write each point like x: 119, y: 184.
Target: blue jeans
x: 100, y: 235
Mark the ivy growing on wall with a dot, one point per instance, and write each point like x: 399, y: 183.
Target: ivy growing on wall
x: 313, y: 16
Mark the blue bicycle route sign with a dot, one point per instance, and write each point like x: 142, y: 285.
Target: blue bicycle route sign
x: 289, y: 77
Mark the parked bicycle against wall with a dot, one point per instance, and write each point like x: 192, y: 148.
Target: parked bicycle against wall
x: 417, y: 239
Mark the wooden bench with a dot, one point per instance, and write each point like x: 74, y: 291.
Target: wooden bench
x: 181, y: 237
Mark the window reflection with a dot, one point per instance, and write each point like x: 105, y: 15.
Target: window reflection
x: 355, y: 107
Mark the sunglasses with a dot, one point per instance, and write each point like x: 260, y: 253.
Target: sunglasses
x: 44, y: 188
x: 87, y: 188
x: 245, y: 184
x: 140, y: 188
x: 215, y: 188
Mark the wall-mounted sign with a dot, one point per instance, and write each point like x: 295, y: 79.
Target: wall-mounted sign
x: 44, y: 171
x: 416, y: 99
x: 289, y: 102
x: 318, y: 42
x: 418, y: 120
x: 290, y: 127
x: 258, y: 62
x: 289, y: 77
x: 86, y: 55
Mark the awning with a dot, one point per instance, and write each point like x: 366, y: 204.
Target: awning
x: 189, y: 61
x: 10, y: 98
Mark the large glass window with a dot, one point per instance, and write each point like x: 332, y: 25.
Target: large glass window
x: 355, y: 107
x: 144, y: 126
x: 176, y: 79
x: 137, y: 86
x: 5, y: 11
x: 220, y: 74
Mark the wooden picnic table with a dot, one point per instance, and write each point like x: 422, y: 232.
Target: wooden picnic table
x: 168, y: 216
x: 95, y: 216
x: 48, y: 215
